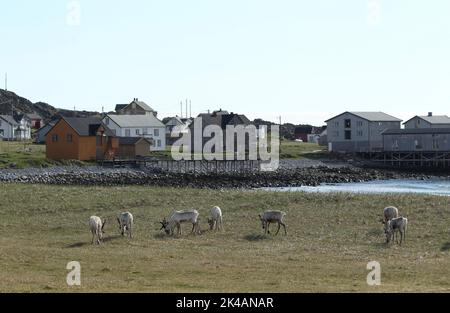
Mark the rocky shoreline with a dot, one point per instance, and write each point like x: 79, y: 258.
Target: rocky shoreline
x: 286, y: 176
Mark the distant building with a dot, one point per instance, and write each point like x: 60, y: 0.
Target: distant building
x: 82, y: 139
x: 302, y: 132
x: 178, y: 125
x: 147, y: 126
x: 136, y: 107
x: 222, y: 119
x: 429, y: 121
x: 15, y: 128
x: 36, y: 120
x: 359, y: 131
x: 42, y: 132
x: 316, y: 134
x: 132, y: 147
x: 416, y: 139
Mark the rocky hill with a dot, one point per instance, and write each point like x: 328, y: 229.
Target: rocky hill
x: 11, y: 101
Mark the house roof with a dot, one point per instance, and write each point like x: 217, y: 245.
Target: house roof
x: 222, y: 119
x: 416, y: 131
x: 86, y: 126
x: 371, y: 116
x: 148, y: 120
x: 434, y: 119
x: 171, y: 120
x: 142, y: 104
x: 34, y: 116
x: 120, y: 107
x: 9, y: 119
x: 132, y: 140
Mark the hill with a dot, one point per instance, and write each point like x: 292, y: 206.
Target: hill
x: 11, y: 101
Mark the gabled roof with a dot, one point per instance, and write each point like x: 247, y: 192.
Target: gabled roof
x: 175, y: 119
x: 132, y: 140
x: 416, y: 131
x: 85, y: 126
x: 120, y: 107
x: 222, y: 119
x: 9, y: 119
x: 129, y: 120
x: 434, y: 119
x: 142, y: 104
x: 371, y: 116
x: 34, y: 116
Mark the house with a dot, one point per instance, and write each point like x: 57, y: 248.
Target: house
x: 136, y: 107
x: 302, y: 132
x: 23, y: 131
x: 132, y: 147
x: 81, y: 139
x: 147, y: 126
x: 323, y: 139
x: 359, y: 131
x: 8, y: 125
x: 316, y: 134
x: 177, y: 124
x: 42, y: 132
x: 36, y: 120
x: 221, y: 119
x: 416, y: 139
x: 429, y: 121
x: 15, y: 128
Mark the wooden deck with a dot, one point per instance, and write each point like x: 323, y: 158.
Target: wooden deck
x: 407, y: 159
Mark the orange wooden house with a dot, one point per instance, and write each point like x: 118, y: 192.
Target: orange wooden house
x: 83, y: 139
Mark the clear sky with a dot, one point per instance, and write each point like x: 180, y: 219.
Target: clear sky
x: 304, y: 60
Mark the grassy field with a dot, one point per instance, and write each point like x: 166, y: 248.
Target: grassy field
x: 296, y: 150
x: 331, y: 238
x: 22, y: 154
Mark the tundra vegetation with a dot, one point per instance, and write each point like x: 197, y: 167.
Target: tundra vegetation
x: 331, y: 238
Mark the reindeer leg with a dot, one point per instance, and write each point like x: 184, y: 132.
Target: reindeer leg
x: 284, y: 226
x: 93, y: 236
x: 278, y: 230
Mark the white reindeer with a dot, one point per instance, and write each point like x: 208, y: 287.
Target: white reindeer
x: 399, y: 224
x: 179, y: 217
x: 97, y: 228
x: 215, y: 219
x: 125, y: 221
x: 272, y: 217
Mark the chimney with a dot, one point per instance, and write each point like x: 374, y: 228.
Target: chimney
x: 430, y: 114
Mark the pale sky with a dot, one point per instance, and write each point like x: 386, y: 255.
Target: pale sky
x: 304, y: 60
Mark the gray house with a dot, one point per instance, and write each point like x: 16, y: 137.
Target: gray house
x: 359, y: 131
x: 417, y: 139
x: 429, y: 121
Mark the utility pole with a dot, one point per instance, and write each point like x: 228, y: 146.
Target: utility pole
x: 190, y: 108
x: 6, y: 81
x: 181, y: 105
x: 186, y: 108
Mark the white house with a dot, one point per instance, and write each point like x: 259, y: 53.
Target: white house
x: 147, y: 126
x: 15, y: 129
x: 176, y: 124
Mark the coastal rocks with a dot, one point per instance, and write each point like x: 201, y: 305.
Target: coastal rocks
x: 286, y: 176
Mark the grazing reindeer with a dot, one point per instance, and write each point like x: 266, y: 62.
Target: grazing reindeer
x: 179, y: 217
x: 215, y: 221
x: 389, y: 213
x: 272, y: 217
x: 97, y: 228
x: 125, y: 221
x: 399, y: 224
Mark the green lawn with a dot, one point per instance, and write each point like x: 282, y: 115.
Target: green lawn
x: 22, y: 154
x: 331, y: 238
x: 296, y: 150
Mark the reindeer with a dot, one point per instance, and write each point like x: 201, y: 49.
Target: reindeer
x: 179, y: 217
x: 272, y: 217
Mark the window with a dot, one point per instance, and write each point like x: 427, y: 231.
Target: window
x: 336, y: 124
x: 394, y: 144
x: 159, y: 143
x: 69, y: 138
x: 138, y: 132
x: 156, y: 132
x: 1, y: 132
x: 359, y: 123
x: 348, y: 135
x: 348, y: 123
x: 127, y: 133
x: 107, y: 121
x: 417, y: 144
x: 359, y: 133
x: 145, y: 131
x: 55, y: 138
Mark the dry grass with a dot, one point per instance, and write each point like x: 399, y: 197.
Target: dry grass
x: 331, y: 238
